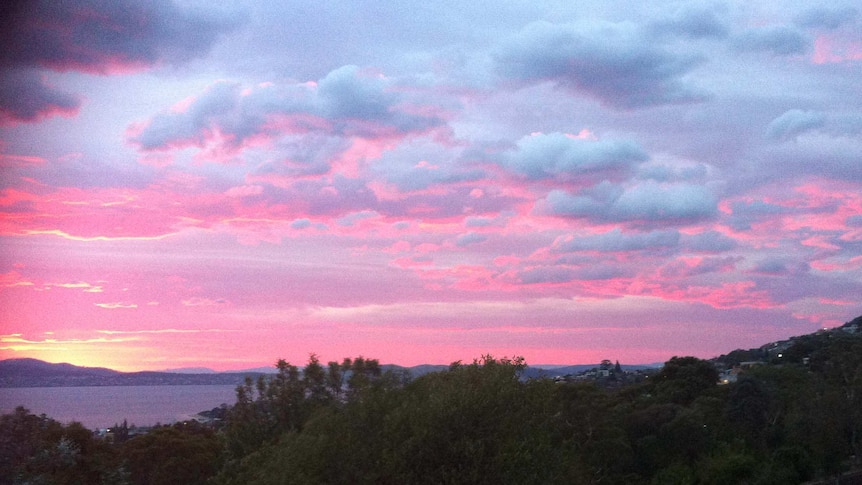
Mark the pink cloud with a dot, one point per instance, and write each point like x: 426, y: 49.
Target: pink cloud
x: 831, y: 50
x: 226, y: 119
x: 116, y: 305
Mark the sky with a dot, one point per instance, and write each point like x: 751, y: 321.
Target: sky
x: 189, y: 185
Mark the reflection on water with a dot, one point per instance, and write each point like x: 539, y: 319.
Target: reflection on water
x: 99, y: 407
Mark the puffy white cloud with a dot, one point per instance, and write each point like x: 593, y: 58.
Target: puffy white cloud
x: 346, y: 102
x: 794, y: 122
x: 557, y: 155
x: 648, y: 201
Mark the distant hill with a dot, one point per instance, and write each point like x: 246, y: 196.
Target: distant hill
x: 190, y: 370
x: 36, y: 373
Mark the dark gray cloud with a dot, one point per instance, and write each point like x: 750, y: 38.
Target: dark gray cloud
x: 781, y: 40
x: 615, y: 63
x: 96, y: 37
x: 25, y: 96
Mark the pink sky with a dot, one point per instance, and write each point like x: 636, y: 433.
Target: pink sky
x: 186, y: 186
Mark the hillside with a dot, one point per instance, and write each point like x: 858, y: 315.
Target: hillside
x: 36, y: 373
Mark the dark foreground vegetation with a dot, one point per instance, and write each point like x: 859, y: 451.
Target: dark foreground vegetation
x: 794, y: 418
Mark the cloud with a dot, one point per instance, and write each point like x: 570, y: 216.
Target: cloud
x: 355, y: 218
x: 693, y: 22
x: 819, y: 154
x: 690, y: 267
x: 827, y: 17
x: 557, y: 155
x: 547, y: 274
x: 346, y: 102
x: 616, y: 240
x: 244, y: 191
x: 648, y: 201
x: 709, y: 241
x: 300, y: 224
x: 84, y: 172
x: 17, y: 342
x: 560, y: 275
x: 94, y: 37
x: 163, y: 330
x: 199, y: 301
x: 116, y: 305
x: 302, y: 155
x: 421, y: 163
x: 469, y: 239
x: 612, y: 62
x: 25, y: 96
x: 779, y: 40
x: 661, y: 172
x: 794, y: 122
x: 84, y: 286
x: 772, y: 266
x: 746, y: 213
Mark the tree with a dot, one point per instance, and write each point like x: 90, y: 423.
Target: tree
x: 37, y: 449
x: 682, y: 379
x: 186, y: 453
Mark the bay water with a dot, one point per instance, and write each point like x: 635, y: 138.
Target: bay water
x: 103, y: 406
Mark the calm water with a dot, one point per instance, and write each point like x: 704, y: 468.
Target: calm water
x: 100, y: 407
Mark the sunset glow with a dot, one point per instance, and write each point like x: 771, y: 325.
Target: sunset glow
x: 186, y: 185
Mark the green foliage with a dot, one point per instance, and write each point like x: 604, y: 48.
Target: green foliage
x: 682, y: 379
x: 186, y: 453
x: 37, y: 449
x: 481, y: 423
